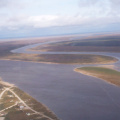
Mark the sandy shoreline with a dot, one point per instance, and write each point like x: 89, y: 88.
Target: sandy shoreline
x: 63, y: 63
x: 91, y: 75
x: 7, y: 85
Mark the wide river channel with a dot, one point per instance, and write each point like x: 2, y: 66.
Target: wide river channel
x: 70, y: 95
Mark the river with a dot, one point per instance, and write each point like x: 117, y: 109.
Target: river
x: 70, y: 95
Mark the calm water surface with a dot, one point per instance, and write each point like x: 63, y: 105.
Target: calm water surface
x: 71, y: 95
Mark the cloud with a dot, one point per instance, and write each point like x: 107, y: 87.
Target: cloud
x: 115, y: 7
x: 4, y: 3
x: 115, y: 3
x: 90, y: 13
x: 100, y: 8
x: 44, y: 21
x: 94, y: 8
x: 87, y: 3
x: 12, y: 4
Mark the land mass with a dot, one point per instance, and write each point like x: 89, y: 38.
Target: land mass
x: 109, y: 75
x: 18, y: 105
x: 103, y: 43
x: 6, y: 47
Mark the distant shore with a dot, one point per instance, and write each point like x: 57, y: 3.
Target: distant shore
x: 65, y: 59
x: 109, y: 75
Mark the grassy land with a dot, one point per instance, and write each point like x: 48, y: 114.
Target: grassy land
x: 95, y: 44
x: 8, y: 99
x: 109, y: 75
x: 63, y: 58
x: 31, y: 102
x: 69, y: 59
x: 76, y: 59
x: 6, y: 47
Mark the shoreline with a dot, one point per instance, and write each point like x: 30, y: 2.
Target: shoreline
x: 45, y: 112
x: 89, y: 74
x: 117, y: 60
x: 6, y: 83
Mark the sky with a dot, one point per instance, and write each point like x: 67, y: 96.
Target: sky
x: 34, y: 18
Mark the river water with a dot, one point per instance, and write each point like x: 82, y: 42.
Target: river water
x: 70, y: 95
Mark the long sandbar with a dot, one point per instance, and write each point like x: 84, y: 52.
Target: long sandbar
x: 109, y: 75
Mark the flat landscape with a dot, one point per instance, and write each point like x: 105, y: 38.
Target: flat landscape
x: 42, y: 80
x: 109, y: 75
x: 103, y: 43
x: 16, y: 104
x: 59, y: 59
x: 98, y: 42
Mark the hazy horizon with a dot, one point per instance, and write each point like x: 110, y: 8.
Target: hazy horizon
x: 29, y: 18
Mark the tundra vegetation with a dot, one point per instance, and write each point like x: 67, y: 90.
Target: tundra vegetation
x: 18, y: 105
x: 100, y: 44
x: 89, y: 44
x: 107, y: 74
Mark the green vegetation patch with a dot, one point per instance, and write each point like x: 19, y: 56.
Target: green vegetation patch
x: 16, y: 104
x: 34, y: 104
x: 109, y: 75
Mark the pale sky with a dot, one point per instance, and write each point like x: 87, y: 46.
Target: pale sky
x: 47, y: 17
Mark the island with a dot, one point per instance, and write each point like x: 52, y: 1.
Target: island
x: 109, y: 75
